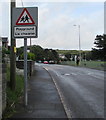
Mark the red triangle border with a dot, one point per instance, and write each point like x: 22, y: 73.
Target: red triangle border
x: 29, y: 16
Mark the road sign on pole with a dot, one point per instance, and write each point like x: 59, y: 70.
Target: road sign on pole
x: 25, y: 23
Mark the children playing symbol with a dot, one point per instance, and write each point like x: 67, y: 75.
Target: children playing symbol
x: 22, y: 19
x: 25, y: 18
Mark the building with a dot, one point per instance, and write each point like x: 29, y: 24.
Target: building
x: 5, y: 42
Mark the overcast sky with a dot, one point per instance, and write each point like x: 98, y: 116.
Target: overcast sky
x: 56, y: 20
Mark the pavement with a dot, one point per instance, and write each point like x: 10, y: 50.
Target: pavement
x: 43, y: 98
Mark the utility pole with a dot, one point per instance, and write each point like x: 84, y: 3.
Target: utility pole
x: 12, y: 54
x: 79, y: 43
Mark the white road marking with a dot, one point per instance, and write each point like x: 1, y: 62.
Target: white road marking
x: 66, y: 74
x: 93, y: 75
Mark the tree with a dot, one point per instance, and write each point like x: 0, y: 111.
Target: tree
x: 20, y: 52
x: 5, y: 53
x: 68, y: 56
x: 30, y: 56
x: 55, y: 56
x: 100, y: 41
x: 38, y: 51
x: 99, y: 51
x: 50, y: 54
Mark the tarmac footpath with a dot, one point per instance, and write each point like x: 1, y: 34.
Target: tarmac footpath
x: 43, y: 98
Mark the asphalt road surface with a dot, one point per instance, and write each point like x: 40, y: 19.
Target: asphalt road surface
x: 82, y: 89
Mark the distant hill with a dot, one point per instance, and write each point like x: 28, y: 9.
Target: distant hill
x: 71, y: 51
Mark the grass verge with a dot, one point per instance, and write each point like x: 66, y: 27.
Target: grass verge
x: 13, y: 96
x: 99, y: 65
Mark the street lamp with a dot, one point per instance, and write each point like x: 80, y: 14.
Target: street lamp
x: 79, y: 41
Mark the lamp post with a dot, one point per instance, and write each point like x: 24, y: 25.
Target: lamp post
x: 79, y: 41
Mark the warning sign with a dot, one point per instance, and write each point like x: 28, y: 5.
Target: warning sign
x: 25, y: 22
x: 25, y: 18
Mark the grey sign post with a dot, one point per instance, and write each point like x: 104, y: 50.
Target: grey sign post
x: 25, y: 72
x: 25, y: 25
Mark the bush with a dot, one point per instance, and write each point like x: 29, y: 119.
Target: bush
x: 30, y: 56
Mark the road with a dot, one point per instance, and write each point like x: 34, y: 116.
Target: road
x: 82, y: 89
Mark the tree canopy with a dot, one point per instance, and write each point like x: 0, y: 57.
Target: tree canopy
x: 100, y: 47
x: 40, y: 53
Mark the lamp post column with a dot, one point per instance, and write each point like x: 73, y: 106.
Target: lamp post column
x: 79, y: 43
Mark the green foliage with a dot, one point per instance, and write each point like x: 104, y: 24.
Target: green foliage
x: 20, y: 51
x: 100, y: 41
x: 74, y: 52
x: 38, y: 53
x: 86, y: 55
x: 13, y: 96
x: 99, y: 51
x: 5, y: 51
x: 30, y: 56
x: 71, y: 53
x: 68, y: 56
x: 50, y: 54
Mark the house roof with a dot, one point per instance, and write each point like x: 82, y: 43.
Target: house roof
x: 5, y: 39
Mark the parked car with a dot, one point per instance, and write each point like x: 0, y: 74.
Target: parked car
x: 39, y: 61
x: 51, y: 62
x: 45, y: 62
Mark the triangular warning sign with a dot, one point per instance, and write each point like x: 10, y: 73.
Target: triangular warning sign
x: 25, y: 18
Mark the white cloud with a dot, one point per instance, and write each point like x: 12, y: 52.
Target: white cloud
x: 56, y: 28
x: 59, y: 32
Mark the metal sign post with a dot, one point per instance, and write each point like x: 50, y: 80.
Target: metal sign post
x: 25, y: 71
x: 25, y: 25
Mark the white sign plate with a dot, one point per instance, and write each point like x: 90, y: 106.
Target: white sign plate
x: 25, y: 31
